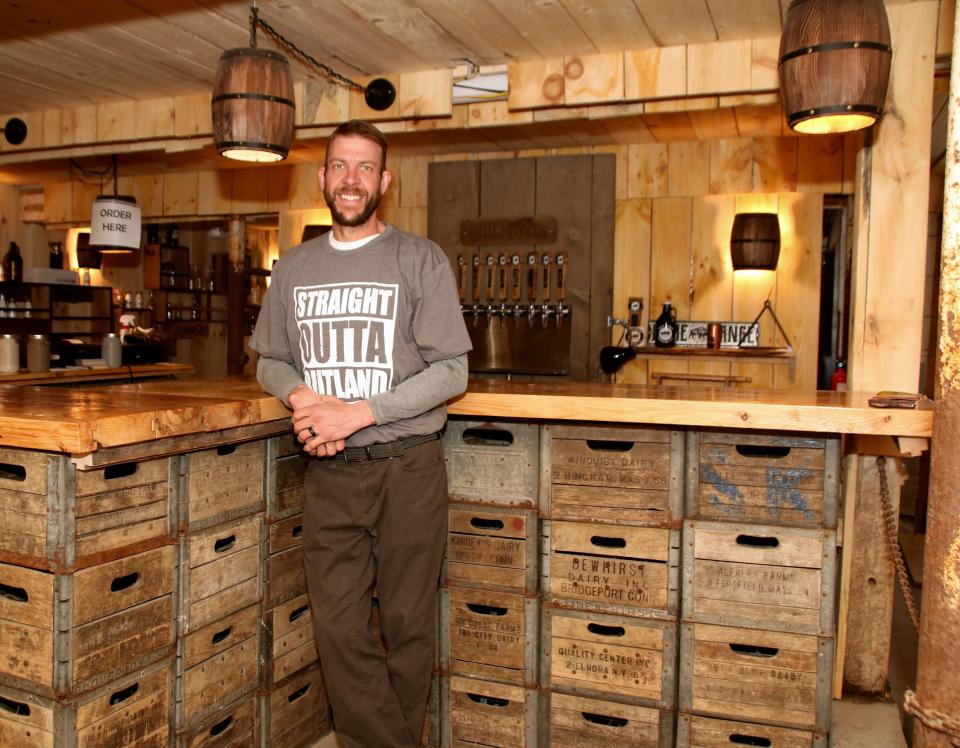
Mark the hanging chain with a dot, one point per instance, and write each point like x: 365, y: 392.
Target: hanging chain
x: 255, y: 21
x: 893, y: 543
x: 931, y: 718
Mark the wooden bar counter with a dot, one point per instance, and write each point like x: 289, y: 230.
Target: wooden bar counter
x: 197, y: 487
x: 82, y: 421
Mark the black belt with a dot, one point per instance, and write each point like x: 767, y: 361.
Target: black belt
x: 387, y: 449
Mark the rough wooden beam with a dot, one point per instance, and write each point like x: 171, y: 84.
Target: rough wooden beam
x: 887, y: 318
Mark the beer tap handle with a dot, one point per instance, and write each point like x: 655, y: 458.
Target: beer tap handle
x: 545, y: 260
x: 516, y: 284
x: 532, y: 278
x: 561, y: 277
x: 490, y: 260
x: 502, y: 278
x: 475, y: 278
x: 562, y: 309
x: 475, y: 284
x: 502, y: 285
x: 462, y: 279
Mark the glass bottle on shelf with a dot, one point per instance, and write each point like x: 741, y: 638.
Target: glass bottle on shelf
x: 56, y: 255
x: 13, y: 264
x: 665, y: 328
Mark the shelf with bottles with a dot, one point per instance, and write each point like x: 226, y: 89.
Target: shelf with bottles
x: 58, y: 309
x: 24, y: 300
x: 199, y: 306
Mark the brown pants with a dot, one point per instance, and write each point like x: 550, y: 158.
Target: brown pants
x: 376, y: 523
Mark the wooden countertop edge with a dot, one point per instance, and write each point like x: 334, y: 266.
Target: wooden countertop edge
x: 696, y: 412
x: 119, y: 372
x: 83, y: 437
x: 202, y: 409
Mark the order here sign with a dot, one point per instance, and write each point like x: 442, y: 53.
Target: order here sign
x: 115, y: 222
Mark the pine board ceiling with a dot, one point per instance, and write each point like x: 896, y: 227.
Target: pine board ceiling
x: 64, y: 53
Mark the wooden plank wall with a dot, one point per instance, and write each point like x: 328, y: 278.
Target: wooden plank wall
x: 673, y: 234
x: 674, y: 210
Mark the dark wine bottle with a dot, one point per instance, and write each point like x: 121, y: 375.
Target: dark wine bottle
x: 13, y: 264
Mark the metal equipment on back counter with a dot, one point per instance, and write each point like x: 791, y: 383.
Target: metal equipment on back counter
x: 517, y: 317
x: 530, y: 241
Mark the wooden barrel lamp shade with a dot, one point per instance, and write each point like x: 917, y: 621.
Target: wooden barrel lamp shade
x: 834, y: 64
x: 755, y: 241
x: 252, y: 105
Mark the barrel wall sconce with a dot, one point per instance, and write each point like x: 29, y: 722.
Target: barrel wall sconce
x: 755, y: 241
x: 834, y: 64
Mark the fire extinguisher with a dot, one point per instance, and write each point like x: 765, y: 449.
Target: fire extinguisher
x: 838, y: 381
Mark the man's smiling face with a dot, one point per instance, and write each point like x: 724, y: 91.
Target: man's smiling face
x: 353, y: 181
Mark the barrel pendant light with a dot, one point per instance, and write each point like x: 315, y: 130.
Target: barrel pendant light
x: 755, y: 241
x: 252, y: 105
x: 834, y: 64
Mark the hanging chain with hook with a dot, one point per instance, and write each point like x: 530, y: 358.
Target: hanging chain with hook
x: 931, y: 718
x: 893, y: 543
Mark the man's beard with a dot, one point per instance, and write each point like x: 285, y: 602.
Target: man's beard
x: 373, y: 202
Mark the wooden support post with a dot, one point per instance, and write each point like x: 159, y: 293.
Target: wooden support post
x: 886, y: 321
x: 938, y: 678
x: 236, y: 358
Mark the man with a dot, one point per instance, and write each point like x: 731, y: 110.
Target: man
x: 361, y: 334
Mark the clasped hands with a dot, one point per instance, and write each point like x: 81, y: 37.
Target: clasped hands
x: 322, y: 423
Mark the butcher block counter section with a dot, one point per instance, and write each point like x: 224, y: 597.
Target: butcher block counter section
x: 102, y: 374
x: 780, y: 410
x: 83, y: 421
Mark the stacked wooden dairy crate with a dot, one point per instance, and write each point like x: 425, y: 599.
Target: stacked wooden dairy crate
x: 611, y: 500
x: 87, y: 602
x: 489, y: 602
x: 759, y: 564
x: 642, y: 640
x: 295, y: 711
x: 134, y: 598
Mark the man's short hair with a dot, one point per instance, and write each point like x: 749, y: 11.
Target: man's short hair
x: 363, y: 130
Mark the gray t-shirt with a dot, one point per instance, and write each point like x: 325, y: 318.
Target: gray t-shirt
x: 380, y: 323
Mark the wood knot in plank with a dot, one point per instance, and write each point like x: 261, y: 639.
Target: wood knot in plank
x: 573, y: 69
x: 553, y: 88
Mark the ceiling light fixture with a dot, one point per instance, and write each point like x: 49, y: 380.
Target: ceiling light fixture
x: 252, y: 103
x: 834, y: 64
